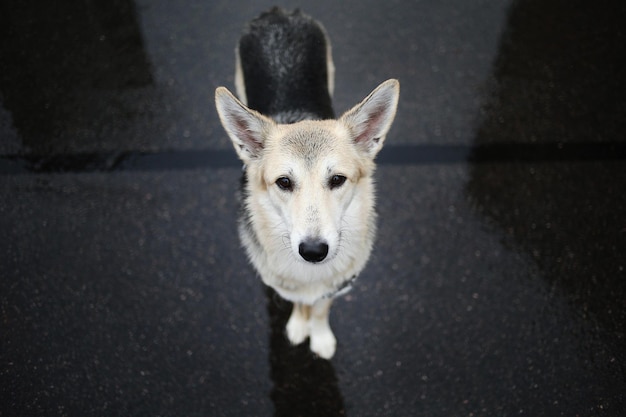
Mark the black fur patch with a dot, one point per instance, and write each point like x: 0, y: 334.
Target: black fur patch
x: 283, y: 58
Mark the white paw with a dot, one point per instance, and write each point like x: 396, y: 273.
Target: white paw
x: 297, y: 330
x: 323, y: 343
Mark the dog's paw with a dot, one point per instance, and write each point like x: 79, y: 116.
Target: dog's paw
x: 297, y: 330
x: 323, y: 343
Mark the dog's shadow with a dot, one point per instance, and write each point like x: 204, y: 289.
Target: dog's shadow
x: 303, y: 384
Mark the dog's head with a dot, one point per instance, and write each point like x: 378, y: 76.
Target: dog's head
x: 310, y: 181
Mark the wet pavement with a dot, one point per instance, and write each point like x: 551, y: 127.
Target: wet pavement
x: 497, y: 286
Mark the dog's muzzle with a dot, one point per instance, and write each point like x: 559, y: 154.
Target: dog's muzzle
x: 313, y: 250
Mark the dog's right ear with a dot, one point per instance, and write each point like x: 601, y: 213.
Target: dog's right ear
x: 246, y: 128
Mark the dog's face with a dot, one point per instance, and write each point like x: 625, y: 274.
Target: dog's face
x: 311, y: 179
x: 310, y: 172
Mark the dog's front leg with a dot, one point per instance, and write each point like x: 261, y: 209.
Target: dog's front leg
x: 312, y: 321
x: 323, y: 341
x: 298, y: 325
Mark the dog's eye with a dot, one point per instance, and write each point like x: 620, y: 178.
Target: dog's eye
x: 284, y: 183
x: 337, y: 181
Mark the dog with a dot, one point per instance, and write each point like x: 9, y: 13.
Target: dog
x: 308, y: 219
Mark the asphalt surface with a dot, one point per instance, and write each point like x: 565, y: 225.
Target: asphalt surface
x: 497, y: 286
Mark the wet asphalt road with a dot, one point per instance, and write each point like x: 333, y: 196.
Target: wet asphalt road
x: 497, y: 286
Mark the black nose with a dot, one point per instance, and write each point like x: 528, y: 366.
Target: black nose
x: 313, y: 250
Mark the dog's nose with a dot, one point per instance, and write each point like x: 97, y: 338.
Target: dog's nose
x: 313, y: 250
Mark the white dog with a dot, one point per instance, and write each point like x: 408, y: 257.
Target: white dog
x: 308, y: 219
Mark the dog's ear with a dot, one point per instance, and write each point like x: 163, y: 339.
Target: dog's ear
x: 246, y: 128
x: 370, y: 120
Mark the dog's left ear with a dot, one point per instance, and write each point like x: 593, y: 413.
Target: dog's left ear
x: 370, y: 120
x: 246, y: 128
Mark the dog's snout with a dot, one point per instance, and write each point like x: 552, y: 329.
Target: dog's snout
x: 313, y: 250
